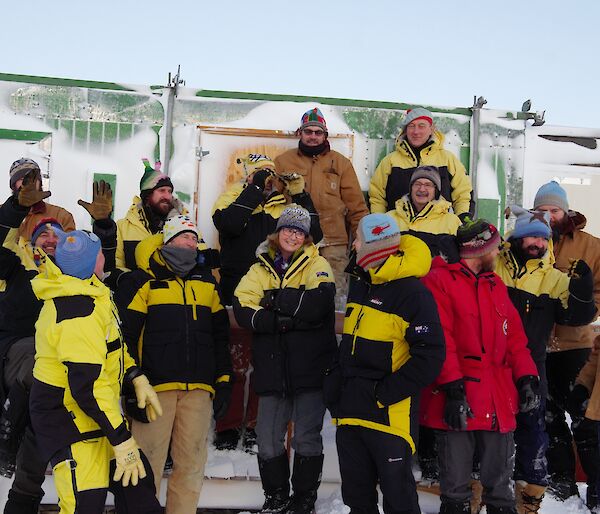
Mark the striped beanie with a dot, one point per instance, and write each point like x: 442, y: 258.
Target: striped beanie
x: 476, y: 238
x: 294, y: 216
x: 153, y: 178
x: 379, y: 237
x: 256, y: 161
x: 313, y: 117
x: 20, y: 168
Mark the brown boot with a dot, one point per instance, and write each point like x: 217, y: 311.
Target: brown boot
x: 529, y: 497
x: 477, y: 491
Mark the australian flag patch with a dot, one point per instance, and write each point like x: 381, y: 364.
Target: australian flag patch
x: 422, y: 329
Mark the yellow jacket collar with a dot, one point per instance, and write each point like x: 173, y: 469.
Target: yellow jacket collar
x: 412, y: 260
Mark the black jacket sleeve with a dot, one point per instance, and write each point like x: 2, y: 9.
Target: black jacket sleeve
x: 303, y: 199
x: 233, y: 219
x: 581, y: 308
x: 11, y: 216
x: 311, y: 306
x: 427, y: 351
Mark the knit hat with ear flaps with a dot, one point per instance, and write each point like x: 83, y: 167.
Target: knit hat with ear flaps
x: 20, y: 168
x: 379, y: 237
x: 76, y: 253
x: 428, y: 172
x: 313, y: 117
x: 256, y: 161
x: 416, y: 114
x: 530, y: 223
x: 551, y: 193
x: 153, y: 178
x: 294, y: 216
x: 178, y: 225
x: 476, y: 238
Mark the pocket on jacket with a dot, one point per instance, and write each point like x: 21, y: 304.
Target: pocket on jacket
x: 358, y: 400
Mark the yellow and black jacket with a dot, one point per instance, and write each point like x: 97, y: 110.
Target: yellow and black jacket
x: 434, y: 224
x: 244, y: 219
x: 392, y: 346
x: 541, y: 294
x: 134, y: 227
x: 80, y: 363
x: 391, y: 179
x: 292, y: 318
x: 177, y: 327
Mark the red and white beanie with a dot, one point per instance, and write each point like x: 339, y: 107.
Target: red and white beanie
x: 378, y: 236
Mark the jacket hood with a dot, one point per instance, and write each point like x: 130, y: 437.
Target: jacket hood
x: 578, y: 220
x: 412, y: 260
x: 52, y: 283
x: 437, y: 139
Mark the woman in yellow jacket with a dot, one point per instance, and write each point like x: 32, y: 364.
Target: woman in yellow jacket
x: 287, y: 300
x: 81, y: 363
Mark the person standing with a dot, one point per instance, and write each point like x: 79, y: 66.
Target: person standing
x: 488, y: 375
x: 333, y: 186
x: 287, y: 300
x: 81, y: 363
x: 180, y: 330
x: 419, y: 144
x: 568, y: 350
x: 543, y: 296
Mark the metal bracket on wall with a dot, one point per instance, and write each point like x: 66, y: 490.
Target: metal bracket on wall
x: 200, y: 153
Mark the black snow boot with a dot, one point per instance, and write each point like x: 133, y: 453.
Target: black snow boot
x: 591, y: 497
x: 227, y: 439
x: 13, y: 420
x: 306, y: 479
x: 275, y: 477
x: 450, y: 507
x: 562, y: 487
x: 21, y: 504
x: 494, y: 509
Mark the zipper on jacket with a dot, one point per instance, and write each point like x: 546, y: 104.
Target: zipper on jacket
x: 355, y: 329
x: 187, y: 329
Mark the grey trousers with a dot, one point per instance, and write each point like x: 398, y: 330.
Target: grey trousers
x: 496, y: 452
x: 306, y: 410
x: 18, y: 363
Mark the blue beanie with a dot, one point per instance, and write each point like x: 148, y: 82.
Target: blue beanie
x: 379, y: 237
x: 530, y: 223
x: 551, y: 194
x: 76, y: 253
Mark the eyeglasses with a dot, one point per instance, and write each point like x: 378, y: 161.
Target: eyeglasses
x: 310, y: 132
x: 426, y: 185
x: 288, y: 231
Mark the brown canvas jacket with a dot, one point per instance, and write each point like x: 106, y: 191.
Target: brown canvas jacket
x: 333, y: 186
x: 576, y: 245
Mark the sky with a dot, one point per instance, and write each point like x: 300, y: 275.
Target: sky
x: 432, y: 52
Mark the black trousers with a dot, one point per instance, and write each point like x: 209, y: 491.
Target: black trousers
x: 368, y: 457
x: 562, y: 369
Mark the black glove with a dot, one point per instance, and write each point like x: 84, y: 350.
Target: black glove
x: 285, y: 323
x: 578, y: 400
x: 456, y: 410
x: 221, y: 399
x: 260, y: 177
x: 578, y: 268
x: 269, y: 300
x: 529, y: 393
x: 264, y: 321
x: 464, y: 217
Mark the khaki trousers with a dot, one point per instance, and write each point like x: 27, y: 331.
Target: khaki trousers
x: 337, y: 257
x: 184, y: 424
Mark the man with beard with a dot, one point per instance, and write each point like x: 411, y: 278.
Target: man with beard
x: 487, y: 377
x: 419, y: 144
x: 147, y: 214
x: 543, y: 296
x: 568, y: 350
x: 331, y: 182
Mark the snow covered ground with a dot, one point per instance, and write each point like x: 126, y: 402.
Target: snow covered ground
x: 233, y: 483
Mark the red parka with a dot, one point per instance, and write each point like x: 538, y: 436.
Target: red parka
x: 486, y: 347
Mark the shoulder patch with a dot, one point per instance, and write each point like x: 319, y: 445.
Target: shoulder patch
x: 422, y: 329
x: 322, y: 274
x: 70, y: 307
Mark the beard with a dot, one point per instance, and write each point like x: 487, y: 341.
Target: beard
x: 161, y: 208
x: 534, y: 251
x: 488, y: 262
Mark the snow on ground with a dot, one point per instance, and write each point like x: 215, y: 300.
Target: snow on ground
x: 233, y: 483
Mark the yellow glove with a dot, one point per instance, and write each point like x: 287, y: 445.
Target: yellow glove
x: 129, y: 463
x: 147, y: 397
x: 294, y: 182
